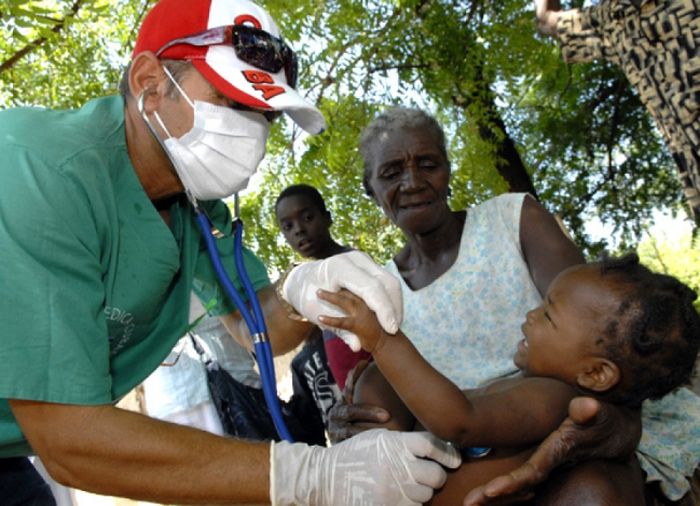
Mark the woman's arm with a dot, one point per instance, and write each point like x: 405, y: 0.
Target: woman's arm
x: 350, y: 417
x: 546, y: 247
x: 593, y: 430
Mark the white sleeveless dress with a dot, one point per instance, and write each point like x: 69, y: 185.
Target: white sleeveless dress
x: 467, y: 325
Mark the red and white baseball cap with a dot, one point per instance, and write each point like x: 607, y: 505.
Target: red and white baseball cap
x: 218, y: 63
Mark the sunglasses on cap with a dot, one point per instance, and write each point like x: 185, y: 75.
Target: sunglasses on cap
x: 253, y: 46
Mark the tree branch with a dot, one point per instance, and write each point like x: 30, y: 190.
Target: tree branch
x: 493, y: 129
x: 137, y: 23
x: 12, y: 60
x: 397, y: 66
x: 330, y: 79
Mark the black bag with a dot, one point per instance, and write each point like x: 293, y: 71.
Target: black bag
x: 244, y: 413
x: 241, y: 408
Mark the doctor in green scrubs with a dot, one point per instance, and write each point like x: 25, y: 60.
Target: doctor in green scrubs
x: 100, y: 251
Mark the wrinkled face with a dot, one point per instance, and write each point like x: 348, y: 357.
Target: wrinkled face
x: 304, y: 226
x: 563, y: 332
x: 409, y: 177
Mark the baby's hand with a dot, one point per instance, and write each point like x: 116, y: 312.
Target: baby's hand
x: 360, y: 319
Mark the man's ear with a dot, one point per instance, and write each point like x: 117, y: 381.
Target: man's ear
x: 598, y: 375
x: 145, y: 74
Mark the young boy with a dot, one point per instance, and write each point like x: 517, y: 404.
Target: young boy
x: 305, y: 223
x: 612, y: 330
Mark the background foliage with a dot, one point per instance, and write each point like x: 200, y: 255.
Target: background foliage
x: 516, y: 117
x: 674, y: 255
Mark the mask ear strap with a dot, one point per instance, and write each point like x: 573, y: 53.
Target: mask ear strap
x: 150, y: 125
x: 148, y: 121
x: 160, y: 141
x: 177, y: 85
x: 162, y: 125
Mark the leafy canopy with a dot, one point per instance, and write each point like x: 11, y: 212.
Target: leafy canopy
x: 516, y: 117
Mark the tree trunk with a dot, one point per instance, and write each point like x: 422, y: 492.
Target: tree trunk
x: 493, y: 130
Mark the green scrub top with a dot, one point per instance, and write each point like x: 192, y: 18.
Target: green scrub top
x: 95, y: 285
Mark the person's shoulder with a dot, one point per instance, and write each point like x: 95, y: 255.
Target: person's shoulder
x: 58, y: 135
x: 80, y: 155
x: 500, y: 199
x: 499, y: 203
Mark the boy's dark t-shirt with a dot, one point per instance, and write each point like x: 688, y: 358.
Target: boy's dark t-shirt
x: 315, y: 392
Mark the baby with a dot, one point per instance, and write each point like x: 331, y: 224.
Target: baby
x: 612, y: 330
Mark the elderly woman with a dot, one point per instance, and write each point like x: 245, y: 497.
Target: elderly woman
x: 468, y: 277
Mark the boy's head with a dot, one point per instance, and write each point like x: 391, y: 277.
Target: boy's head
x: 614, y: 329
x: 304, y: 220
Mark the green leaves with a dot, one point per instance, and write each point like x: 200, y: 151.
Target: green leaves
x: 511, y: 109
x: 676, y: 255
x: 63, y: 55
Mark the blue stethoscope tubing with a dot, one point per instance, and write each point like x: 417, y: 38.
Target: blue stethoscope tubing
x: 255, y: 322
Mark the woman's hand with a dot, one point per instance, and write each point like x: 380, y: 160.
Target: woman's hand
x: 346, y: 419
x: 593, y: 430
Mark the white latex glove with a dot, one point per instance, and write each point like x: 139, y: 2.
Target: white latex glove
x: 377, y: 467
x: 354, y: 271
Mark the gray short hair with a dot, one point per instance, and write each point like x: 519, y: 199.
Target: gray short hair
x: 396, y: 118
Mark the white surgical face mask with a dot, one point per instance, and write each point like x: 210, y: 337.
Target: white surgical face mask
x: 223, y: 149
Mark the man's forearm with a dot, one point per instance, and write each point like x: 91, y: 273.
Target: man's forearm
x: 111, y: 451
x: 285, y: 334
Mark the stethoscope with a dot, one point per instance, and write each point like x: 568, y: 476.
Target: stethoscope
x: 254, y: 320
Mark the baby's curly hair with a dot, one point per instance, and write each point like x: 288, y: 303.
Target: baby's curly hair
x: 654, y: 334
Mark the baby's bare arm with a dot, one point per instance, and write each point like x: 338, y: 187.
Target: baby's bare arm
x: 513, y: 414
x: 519, y: 411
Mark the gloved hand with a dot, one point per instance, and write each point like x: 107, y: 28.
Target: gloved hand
x: 376, y: 467
x: 354, y: 271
